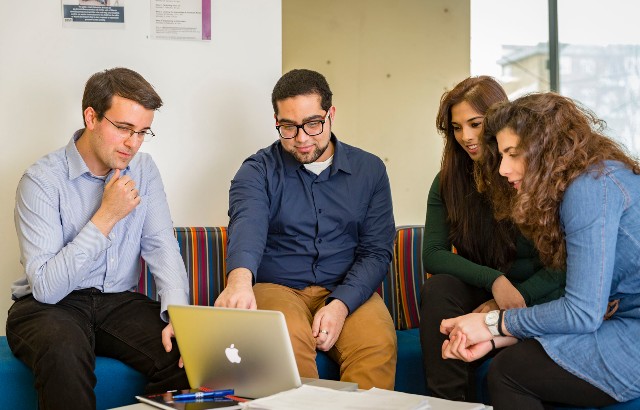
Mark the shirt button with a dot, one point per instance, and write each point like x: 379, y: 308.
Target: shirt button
x: 112, y: 259
x: 319, y: 211
x: 319, y: 240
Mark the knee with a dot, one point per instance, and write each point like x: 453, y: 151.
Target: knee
x: 385, y: 338
x: 302, y: 338
x: 436, y: 283
x: 373, y: 332
x: 52, y: 343
x: 68, y: 348
x: 380, y: 339
x: 441, y: 291
x: 62, y: 358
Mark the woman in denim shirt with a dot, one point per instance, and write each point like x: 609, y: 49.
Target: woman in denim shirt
x: 480, y: 275
x: 576, y: 194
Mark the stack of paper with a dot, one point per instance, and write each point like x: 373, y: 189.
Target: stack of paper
x: 320, y: 398
x: 308, y: 397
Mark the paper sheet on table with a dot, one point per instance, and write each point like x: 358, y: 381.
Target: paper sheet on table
x: 433, y: 402
x: 320, y: 398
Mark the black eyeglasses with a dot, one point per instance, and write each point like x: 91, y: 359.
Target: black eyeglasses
x: 126, y: 132
x: 311, y: 128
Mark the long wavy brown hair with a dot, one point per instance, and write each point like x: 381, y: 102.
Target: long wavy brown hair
x: 470, y: 230
x: 559, y: 140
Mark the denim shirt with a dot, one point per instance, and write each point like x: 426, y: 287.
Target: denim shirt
x: 600, y: 214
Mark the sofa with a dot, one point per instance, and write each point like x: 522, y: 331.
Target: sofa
x: 203, y: 250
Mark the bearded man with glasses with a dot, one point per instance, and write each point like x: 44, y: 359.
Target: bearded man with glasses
x: 311, y: 234
x: 84, y: 215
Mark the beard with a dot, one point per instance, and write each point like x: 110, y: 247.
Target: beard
x: 310, y: 157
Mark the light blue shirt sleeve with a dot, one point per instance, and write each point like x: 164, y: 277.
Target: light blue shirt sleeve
x: 53, y: 268
x: 590, y: 213
x: 62, y: 250
x: 159, y: 247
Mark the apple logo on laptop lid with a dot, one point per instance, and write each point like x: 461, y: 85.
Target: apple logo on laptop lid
x: 232, y: 354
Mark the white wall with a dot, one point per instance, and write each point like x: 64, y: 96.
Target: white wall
x: 217, y: 100
x: 387, y: 62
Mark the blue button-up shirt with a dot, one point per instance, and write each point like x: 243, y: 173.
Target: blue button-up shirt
x: 600, y: 214
x: 291, y: 227
x: 62, y: 250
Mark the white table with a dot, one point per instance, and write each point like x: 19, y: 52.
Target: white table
x: 436, y: 404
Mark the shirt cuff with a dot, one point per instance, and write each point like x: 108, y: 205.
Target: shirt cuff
x: 172, y: 297
x: 511, y: 323
x: 242, y: 260
x: 345, y: 296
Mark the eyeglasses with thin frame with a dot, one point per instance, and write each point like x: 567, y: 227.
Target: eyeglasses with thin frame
x: 145, y: 134
x: 311, y: 128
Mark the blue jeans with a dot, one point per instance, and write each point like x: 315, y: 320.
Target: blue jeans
x: 59, y: 343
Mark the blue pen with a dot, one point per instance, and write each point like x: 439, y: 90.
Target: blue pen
x: 204, y: 395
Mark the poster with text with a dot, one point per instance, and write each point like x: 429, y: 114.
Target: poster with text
x: 181, y: 19
x: 93, y: 13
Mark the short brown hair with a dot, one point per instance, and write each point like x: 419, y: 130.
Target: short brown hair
x: 302, y: 82
x: 123, y: 82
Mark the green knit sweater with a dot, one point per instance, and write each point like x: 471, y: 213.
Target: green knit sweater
x: 533, y: 281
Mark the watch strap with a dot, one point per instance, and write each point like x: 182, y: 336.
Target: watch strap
x: 500, y: 316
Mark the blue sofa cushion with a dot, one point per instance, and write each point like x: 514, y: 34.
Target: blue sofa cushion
x: 118, y: 384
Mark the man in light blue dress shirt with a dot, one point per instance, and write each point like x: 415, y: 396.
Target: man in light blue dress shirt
x: 84, y: 215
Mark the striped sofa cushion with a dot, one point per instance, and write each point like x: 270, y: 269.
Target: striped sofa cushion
x: 387, y: 291
x: 409, y: 273
x: 204, y: 250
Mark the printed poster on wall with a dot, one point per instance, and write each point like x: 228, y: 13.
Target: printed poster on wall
x: 181, y: 19
x: 93, y: 13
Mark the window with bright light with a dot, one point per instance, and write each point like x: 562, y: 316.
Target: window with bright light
x: 509, y: 41
x: 605, y: 42
x: 599, y: 55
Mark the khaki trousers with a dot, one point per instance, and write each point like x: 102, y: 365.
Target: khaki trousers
x: 366, y: 349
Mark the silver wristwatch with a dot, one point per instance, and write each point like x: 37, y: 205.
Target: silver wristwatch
x: 491, y: 320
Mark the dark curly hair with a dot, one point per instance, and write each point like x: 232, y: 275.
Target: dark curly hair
x: 301, y: 82
x: 465, y: 206
x: 559, y: 140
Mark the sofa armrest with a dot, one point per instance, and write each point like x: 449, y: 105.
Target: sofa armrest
x: 410, y: 274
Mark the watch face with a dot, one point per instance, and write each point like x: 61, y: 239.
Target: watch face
x: 492, y: 317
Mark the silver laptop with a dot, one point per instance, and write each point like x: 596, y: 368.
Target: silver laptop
x: 245, y: 350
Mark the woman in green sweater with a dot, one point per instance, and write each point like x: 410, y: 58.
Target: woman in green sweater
x: 477, y: 263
